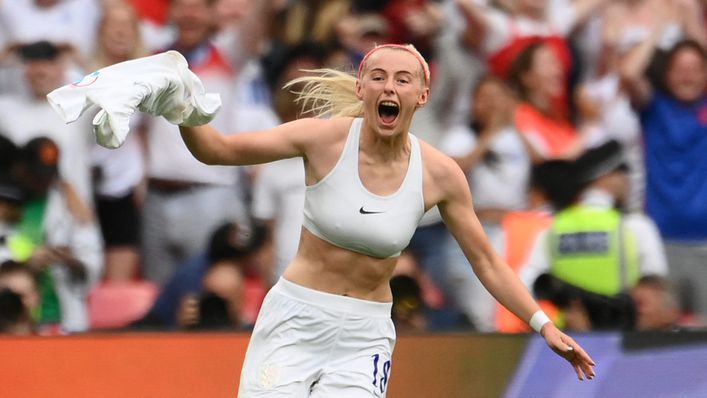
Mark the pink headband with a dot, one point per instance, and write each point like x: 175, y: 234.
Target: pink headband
x: 425, y: 71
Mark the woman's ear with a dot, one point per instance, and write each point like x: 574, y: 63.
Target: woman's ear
x: 422, y: 99
x: 359, y: 90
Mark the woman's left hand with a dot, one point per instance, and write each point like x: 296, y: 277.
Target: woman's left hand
x: 567, y: 348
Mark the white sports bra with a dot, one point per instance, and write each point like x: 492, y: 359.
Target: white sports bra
x: 341, y: 211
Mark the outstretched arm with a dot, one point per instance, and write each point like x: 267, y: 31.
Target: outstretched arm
x: 692, y: 18
x: 633, y: 66
x: 499, y: 279
x: 584, y: 9
x: 284, y: 141
x: 476, y: 23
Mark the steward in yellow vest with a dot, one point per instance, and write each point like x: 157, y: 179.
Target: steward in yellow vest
x: 593, y: 254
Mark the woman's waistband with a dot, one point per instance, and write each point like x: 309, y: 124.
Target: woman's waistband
x: 332, y: 301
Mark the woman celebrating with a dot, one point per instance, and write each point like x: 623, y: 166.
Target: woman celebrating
x: 324, y: 328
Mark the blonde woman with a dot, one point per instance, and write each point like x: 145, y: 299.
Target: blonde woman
x: 325, y: 328
x: 119, y: 173
x: 119, y: 37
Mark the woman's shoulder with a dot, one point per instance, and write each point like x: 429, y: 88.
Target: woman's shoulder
x: 322, y: 125
x: 442, y: 176
x: 317, y: 129
x: 436, y: 162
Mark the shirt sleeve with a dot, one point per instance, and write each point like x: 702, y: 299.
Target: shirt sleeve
x: 498, y: 32
x: 536, y: 140
x: 538, y: 261
x: 458, y: 141
x: 228, y: 43
x: 87, y: 246
x: 265, y: 195
x: 651, y: 252
x: 562, y: 16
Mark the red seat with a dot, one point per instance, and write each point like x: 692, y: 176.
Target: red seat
x: 117, y: 304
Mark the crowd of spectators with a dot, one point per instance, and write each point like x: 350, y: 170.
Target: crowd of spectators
x: 580, y: 124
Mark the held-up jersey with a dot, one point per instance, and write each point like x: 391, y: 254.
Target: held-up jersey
x: 341, y: 211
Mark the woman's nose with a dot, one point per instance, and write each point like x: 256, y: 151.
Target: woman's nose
x: 389, y: 86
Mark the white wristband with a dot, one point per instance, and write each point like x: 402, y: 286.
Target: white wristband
x: 538, y: 319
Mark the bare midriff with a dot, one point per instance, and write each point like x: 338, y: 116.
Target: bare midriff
x: 319, y: 265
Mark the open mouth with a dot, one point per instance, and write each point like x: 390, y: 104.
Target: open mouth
x: 388, y: 111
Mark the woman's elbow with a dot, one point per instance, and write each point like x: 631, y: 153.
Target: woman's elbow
x: 482, y: 265
x: 206, y: 157
x: 214, y: 160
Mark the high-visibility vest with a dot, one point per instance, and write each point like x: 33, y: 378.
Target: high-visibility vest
x: 20, y: 247
x: 590, y: 248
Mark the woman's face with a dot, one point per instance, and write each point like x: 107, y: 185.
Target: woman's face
x: 45, y: 3
x: 193, y: 19
x: 532, y: 6
x: 44, y: 75
x: 229, y: 12
x: 545, y: 77
x: 392, y: 87
x: 119, y: 33
x: 489, y: 100
x: 686, y: 75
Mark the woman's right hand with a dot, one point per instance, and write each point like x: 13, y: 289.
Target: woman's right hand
x: 567, y: 348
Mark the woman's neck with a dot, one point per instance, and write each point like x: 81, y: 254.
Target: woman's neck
x: 111, y: 60
x: 382, y: 148
x: 540, y: 102
x: 532, y: 13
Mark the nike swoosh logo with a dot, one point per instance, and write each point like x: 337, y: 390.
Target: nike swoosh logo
x: 362, y: 211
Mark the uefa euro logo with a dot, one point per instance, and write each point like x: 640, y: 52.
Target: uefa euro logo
x: 87, y: 80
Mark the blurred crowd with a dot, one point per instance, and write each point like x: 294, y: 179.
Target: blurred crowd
x: 580, y: 124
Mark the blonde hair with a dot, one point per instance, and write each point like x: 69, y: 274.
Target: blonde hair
x: 101, y: 58
x: 327, y: 92
x: 331, y: 92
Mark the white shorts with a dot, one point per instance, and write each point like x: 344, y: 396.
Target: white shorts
x: 308, y: 343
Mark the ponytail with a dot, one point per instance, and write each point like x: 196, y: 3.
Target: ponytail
x: 327, y: 92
